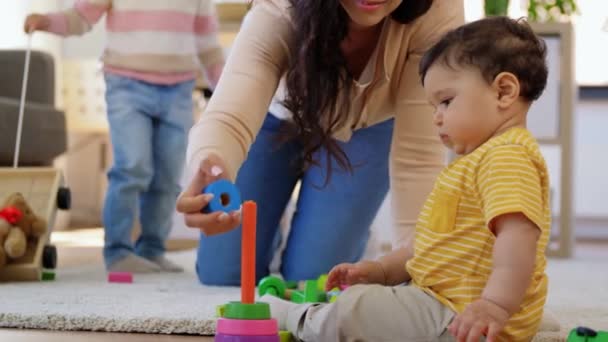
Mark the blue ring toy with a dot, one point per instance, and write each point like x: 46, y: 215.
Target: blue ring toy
x: 226, y: 197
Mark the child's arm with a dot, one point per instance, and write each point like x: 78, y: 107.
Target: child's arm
x: 511, y: 191
x: 393, y: 265
x: 74, y: 21
x: 388, y: 270
x: 513, y: 258
x: 210, y: 51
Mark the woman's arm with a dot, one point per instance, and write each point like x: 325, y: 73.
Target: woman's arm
x: 234, y: 115
x: 417, y: 154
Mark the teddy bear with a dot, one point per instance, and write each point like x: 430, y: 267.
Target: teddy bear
x: 8, y: 218
x: 17, y: 223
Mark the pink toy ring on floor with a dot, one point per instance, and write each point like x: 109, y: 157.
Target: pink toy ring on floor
x: 120, y: 277
x: 251, y: 338
x: 257, y: 327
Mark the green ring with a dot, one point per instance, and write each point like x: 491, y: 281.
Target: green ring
x: 238, y: 310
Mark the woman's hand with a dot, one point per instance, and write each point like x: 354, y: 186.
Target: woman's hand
x: 36, y: 22
x: 363, y: 272
x: 192, y: 201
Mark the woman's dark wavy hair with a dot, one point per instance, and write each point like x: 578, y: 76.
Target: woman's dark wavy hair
x: 317, y: 79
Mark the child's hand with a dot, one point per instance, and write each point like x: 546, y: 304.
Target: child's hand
x: 191, y: 201
x: 36, y: 22
x: 363, y: 272
x: 481, y: 317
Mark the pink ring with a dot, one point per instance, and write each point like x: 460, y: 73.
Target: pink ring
x: 247, y: 327
x: 120, y: 277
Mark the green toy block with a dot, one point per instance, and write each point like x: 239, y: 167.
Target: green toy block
x: 219, y: 310
x: 238, y: 310
x: 311, y: 291
x: 310, y: 294
x: 297, y: 296
x: 285, y: 336
x: 48, y: 276
x: 321, y: 282
x: 584, y: 334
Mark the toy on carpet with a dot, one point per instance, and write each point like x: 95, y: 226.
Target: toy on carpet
x: 584, y: 334
x: 47, y: 275
x: 18, y: 223
x: 120, y: 277
x: 309, y: 291
x: 247, y: 320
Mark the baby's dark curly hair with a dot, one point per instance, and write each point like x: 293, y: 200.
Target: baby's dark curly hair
x: 494, y: 45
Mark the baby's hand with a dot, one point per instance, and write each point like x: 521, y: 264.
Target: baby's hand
x: 481, y: 317
x: 363, y: 272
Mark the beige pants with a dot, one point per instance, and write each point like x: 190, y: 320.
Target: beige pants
x: 373, y: 313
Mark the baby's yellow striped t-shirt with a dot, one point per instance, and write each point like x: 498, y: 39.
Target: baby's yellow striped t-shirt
x: 453, y: 244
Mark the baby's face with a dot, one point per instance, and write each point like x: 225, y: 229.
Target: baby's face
x: 466, y: 109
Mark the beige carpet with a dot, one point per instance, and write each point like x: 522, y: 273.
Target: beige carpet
x: 81, y: 299
x: 578, y: 295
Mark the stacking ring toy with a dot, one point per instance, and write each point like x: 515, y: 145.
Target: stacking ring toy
x: 226, y: 197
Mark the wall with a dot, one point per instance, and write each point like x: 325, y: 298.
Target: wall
x: 590, y: 159
x: 12, y: 17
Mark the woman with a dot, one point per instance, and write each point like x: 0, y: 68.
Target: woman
x: 334, y: 74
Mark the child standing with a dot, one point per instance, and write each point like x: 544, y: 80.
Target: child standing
x: 477, y: 263
x: 151, y: 59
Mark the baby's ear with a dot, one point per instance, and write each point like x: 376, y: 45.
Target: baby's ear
x: 508, y: 89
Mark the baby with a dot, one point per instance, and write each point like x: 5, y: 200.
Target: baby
x: 477, y: 264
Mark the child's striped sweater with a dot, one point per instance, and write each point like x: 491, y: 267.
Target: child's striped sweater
x: 158, y: 41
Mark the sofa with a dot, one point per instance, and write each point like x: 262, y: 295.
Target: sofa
x: 44, y: 133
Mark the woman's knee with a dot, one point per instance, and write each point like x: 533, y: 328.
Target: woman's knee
x: 218, y: 261
x: 217, y: 273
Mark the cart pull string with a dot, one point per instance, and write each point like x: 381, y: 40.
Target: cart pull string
x: 26, y: 70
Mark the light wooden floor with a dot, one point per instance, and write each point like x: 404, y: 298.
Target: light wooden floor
x: 88, y: 250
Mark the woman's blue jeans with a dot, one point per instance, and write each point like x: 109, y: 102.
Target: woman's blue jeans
x: 331, y: 224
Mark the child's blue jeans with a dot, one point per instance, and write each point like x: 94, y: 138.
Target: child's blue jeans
x: 331, y: 224
x: 148, y: 127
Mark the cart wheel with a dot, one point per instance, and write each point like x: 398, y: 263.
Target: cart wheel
x: 64, y: 198
x: 49, y: 257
